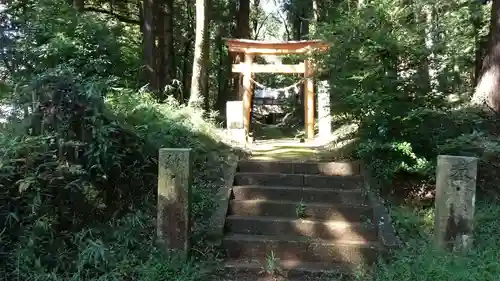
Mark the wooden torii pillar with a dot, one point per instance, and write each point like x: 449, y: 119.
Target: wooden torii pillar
x: 250, y: 48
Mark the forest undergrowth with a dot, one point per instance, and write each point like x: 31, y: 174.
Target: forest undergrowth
x: 78, y: 199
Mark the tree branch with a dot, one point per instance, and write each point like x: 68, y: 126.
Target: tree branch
x: 263, y: 22
x: 6, y: 63
x: 284, y: 20
x: 113, y: 14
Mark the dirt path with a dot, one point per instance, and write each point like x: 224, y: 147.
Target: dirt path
x: 296, y: 151
x: 337, y: 148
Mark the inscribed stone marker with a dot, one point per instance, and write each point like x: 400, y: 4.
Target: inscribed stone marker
x: 174, y: 198
x: 455, y: 200
x: 324, y: 116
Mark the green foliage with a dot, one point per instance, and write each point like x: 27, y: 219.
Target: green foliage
x: 418, y: 260
x: 120, y: 250
x: 53, y: 36
x: 271, y: 266
x: 78, y: 158
x: 381, y: 67
x: 69, y: 186
x: 300, y: 209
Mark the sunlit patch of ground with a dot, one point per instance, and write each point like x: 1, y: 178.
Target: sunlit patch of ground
x: 336, y: 148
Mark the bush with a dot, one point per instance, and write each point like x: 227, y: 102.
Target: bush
x: 379, y: 68
x: 418, y: 260
x: 411, y: 142
x: 79, y: 181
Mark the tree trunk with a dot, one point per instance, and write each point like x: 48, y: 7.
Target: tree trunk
x: 186, y: 72
x: 220, y: 79
x: 481, y: 42
x: 430, y: 42
x: 224, y: 71
x: 165, y: 70
x: 233, y: 57
x: 314, y: 25
x: 297, y: 24
x: 206, y: 58
x: 243, y: 19
x: 79, y: 5
x: 196, y: 98
x: 149, y: 46
x: 304, y: 28
x: 242, y: 31
x: 255, y: 19
x: 479, y: 54
x: 169, y: 41
x: 161, y: 55
x: 487, y: 92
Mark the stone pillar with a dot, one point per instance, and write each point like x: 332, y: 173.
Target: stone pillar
x: 455, y: 200
x: 174, y: 198
x: 309, y: 100
x: 324, y: 117
x: 247, y: 93
x: 235, y: 120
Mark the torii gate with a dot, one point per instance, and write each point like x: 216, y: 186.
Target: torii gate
x: 250, y: 48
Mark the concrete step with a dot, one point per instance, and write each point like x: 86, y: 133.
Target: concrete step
x: 299, y: 194
x: 277, y: 179
x: 289, y: 167
x: 328, y: 230
x: 286, y: 247
x: 292, y: 269
x: 288, y: 209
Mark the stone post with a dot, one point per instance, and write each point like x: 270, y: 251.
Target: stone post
x: 455, y: 200
x: 324, y: 116
x: 309, y: 100
x: 174, y: 198
x: 235, y: 120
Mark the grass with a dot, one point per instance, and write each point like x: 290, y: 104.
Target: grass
x: 418, y: 260
x: 300, y: 209
x: 100, y: 226
x: 271, y: 267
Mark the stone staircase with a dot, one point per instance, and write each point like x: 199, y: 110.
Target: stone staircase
x: 312, y: 217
